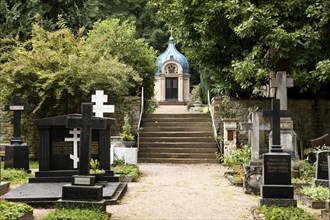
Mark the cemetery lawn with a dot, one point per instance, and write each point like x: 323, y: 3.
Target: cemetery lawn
x: 76, y: 214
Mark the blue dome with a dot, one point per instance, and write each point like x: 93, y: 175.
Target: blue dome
x: 171, y: 53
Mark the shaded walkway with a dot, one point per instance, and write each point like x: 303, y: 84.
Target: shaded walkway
x: 176, y: 191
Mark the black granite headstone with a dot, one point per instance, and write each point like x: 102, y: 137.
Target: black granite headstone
x: 17, y: 153
x: 55, y: 164
x: 276, y: 186
x: 322, y: 175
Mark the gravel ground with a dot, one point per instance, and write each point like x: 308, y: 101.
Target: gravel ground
x: 180, y: 191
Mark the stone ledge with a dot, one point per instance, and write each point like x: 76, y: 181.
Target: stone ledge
x: 277, y: 202
x: 4, y: 187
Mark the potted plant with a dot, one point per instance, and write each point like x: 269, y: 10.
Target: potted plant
x: 95, y: 169
x: 126, y: 136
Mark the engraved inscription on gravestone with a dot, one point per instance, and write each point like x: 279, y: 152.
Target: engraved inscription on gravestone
x: 322, y: 175
x: 277, y: 170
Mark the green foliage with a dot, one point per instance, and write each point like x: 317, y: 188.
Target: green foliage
x: 95, y: 166
x: 13, y: 210
x: 237, y: 157
x: 115, y: 39
x: 225, y: 108
x: 77, y: 214
x: 236, y: 44
x: 15, y: 176
x: 307, y: 171
x: 126, y: 169
x: 126, y: 134
x: 316, y: 193
x: 284, y: 213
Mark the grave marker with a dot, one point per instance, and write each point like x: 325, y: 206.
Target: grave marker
x: 276, y: 186
x: 17, y: 153
x: 288, y: 136
x: 86, y: 123
x: 322, y: 172
x: 75, y: 139
x: 99, y: 108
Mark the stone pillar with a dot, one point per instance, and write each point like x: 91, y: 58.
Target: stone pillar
x: 229, y: 135
x: 180, y: 88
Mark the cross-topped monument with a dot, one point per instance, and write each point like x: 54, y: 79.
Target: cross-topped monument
x: 276, y: 115
x: 255, y: 128
x: 99, y: 108
x: 86, y: 123
x: 16, y: 106
x: 281, y: 83
x: 75, y: 139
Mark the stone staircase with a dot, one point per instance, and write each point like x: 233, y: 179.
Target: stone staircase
x: 177, y: 138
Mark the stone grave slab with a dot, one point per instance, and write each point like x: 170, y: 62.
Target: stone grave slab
x: 51, y: 192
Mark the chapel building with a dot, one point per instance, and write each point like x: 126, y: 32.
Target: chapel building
x: 172, y: 78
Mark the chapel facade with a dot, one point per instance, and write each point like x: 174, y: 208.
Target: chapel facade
x: 172, y: 78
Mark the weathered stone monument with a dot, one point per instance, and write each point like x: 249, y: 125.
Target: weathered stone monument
x: 229, y: 135
x: 322, y: 171
x: 288, y: 136
x: 17, y: 153
x: 276, y: 186
x: 253, y: 170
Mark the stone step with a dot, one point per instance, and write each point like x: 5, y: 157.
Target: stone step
x: 179, y: 145
x: 177, y: 124
x: 176, y: 134
x: 176, y: 139
x: 177, y: 150
x: 188, y: 115
x: 178, y: 155
x: 208, y: 119
x: 177, y: 128
x: 177, y: 160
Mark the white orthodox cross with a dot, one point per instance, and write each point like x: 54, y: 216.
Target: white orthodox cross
x: 75, y: 139
x: 99, y: 98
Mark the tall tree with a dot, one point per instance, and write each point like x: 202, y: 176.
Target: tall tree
x: 238, y: 43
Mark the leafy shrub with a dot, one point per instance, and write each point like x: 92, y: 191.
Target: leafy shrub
x: 317, y: 193
x: 126, y: 169
x: 15, y: 176
x: 13, y: 210
x: 77, y: 214
x: 307, y: 170
x: 95, y: 166
x: 238, y: 157
x: 284, y: 213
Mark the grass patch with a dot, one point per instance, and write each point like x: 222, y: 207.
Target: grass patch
x: 125, y: 169
x: 13, y: 210
x: 34, y: 164
x: 15, y: 176
x: 284, y: 213
x: 77, y: 214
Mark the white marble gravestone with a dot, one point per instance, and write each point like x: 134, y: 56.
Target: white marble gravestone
x: 229, y: 135
x: 288, y: 135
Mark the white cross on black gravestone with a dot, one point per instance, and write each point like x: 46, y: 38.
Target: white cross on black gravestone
x: 255, y: 127
x: 86, y: 123
x: 75, y: 139
x: 276, y: 115
x: 281, y: 83
x: 16, y: 106
x: 99, y: 109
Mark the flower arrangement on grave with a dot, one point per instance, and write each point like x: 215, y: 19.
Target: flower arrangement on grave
x: 126, y: 135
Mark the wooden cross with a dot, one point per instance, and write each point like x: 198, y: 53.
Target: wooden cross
x: 86, y: 123
x: 75, y: 139
x: 16, y: 106
x: 276, y: 115
x: 99, y: 109
x: 281, y: 83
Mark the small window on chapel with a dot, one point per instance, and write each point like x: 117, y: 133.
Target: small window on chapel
x: 171, y: 69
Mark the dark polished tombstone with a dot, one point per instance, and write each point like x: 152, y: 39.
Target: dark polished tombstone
x: 276, y: 186
x: 55, y: 164
x: 322, y: 175
x: 17, y: 153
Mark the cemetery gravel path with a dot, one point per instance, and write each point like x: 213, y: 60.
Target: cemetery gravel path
x: 183, y: 191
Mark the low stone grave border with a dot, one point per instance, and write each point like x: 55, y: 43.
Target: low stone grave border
x: 230, y: 176
x: 309, y: 202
